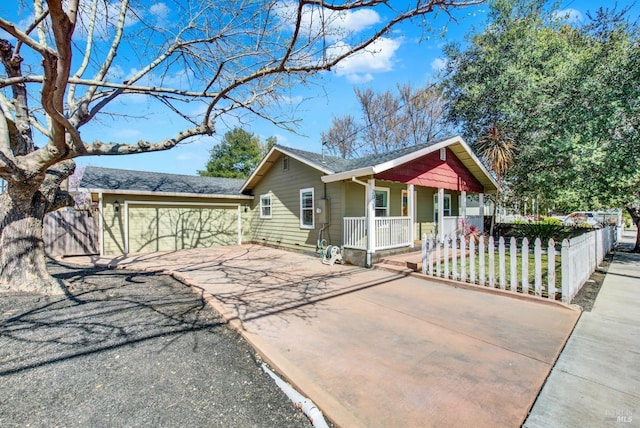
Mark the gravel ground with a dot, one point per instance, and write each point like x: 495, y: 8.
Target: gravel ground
x: 129, y: 349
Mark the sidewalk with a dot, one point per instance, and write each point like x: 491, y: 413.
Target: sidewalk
x: 596, y: 381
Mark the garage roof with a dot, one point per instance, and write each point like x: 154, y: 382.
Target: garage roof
x: 112, y: 180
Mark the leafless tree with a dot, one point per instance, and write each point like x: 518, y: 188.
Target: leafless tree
x: 342, y: 137
x: 389, y: 121
x: 64, y: 66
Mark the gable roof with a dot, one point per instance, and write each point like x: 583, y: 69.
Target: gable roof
x: 122, y: 181
x: 338, y: 169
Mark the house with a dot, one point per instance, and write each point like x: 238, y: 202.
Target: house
x: 300, y: 200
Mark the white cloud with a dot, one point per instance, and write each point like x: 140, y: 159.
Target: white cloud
x: 160, y: 11
x: 438, y: 64
x: 333, y: 25
x: 570, y: 15
x: 377, y: 58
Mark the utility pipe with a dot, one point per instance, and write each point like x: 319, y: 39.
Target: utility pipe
x: 301, y: 402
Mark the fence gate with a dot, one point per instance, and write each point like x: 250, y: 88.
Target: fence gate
x: 69, y: 232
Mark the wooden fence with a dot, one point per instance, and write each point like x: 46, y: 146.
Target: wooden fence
x: 69, y: 232
x: 522, y: 267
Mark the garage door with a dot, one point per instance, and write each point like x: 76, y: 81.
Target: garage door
x: 154, y: 227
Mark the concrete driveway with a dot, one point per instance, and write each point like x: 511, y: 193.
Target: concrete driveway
x: 375, y: 349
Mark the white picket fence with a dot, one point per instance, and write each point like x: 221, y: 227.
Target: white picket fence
x: 485, y: 262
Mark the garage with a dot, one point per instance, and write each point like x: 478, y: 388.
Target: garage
x: 176, y: 226
x: 144, y: 212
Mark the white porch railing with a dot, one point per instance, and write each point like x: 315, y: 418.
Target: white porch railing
x: 391, y: 232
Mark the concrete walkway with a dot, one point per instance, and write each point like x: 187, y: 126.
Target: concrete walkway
x: 377, y: 349
x: 596, y: 381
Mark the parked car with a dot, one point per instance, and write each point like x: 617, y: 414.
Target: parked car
x: 582, y: 217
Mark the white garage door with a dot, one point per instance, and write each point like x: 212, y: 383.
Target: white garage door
x: 162, y: 227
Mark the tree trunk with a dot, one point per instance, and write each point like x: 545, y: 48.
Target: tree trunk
x: 634, y: 212
x: 22, y: 259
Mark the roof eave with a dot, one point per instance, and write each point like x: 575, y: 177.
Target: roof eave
x: 347, y: 175
x: 167, y: 194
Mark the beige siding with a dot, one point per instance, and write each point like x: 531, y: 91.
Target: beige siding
x: 162, y: 228
x: 160, y: 224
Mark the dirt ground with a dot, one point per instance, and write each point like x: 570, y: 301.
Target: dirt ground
x: 129, y: 349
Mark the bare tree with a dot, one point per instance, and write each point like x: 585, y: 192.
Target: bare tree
x: 389, y: 121
x: 342, y: 137
x: 64, y: 69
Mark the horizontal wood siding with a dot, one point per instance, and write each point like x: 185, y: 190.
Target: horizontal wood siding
x: 430, y: 171
x: 283, y: 228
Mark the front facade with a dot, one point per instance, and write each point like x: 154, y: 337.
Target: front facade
x: 304, y: 201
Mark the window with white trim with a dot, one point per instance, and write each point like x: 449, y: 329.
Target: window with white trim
x: 447, y: 205
x: 307, y: 209
x: 265, y: 206
x: 382, y: 202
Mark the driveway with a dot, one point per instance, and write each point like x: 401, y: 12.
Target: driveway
x: 372, y: 348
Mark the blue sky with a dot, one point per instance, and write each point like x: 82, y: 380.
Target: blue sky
x: 402, y: 58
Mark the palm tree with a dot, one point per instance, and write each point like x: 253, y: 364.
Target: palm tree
x: 497, y: 149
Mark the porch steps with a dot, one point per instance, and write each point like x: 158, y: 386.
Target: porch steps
x: 393, y: 268
x: 401, y: 263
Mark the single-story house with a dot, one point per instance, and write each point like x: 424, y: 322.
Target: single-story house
x: 298, y: 200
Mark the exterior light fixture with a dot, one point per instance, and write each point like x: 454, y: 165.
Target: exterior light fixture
x: 116, y: 206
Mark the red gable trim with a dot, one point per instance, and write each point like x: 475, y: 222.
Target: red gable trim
x: 430, y: 171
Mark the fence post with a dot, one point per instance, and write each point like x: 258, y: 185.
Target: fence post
x: 502, y: 263
x: 537, y: 265
x: 566, y: 271
x: 454, y: 258
x: 492, y: 263
x: 551, y: 276
x: 446, y: 257
x: 463, y: 259
x: 513, y: 253
x: 472, y: 261
x: 481, y: 276
x: 431, y: 244
x: 438, y: 254
x: 525, y: 266
x: 424, y: 253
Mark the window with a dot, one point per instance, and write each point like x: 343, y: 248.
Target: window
x: 382, y: 202
x: 447, y: 205
x: 405, y: 203
x: 306, y: 209
x: 285, y: 163
x: 265, y: 206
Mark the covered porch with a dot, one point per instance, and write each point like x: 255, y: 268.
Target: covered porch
x: 439, y: 192
x: 375, y: 231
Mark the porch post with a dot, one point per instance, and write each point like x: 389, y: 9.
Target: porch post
x: 463, y: 205
x: 481, y: 210
x: 441, y: 213
x: 371, y: 221
x: 412, y: 221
